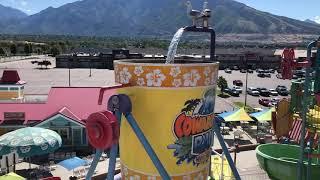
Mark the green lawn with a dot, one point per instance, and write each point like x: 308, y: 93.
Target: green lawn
x: 224, y: 95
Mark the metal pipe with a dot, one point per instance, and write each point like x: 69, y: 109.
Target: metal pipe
x: 212, y: 40
x: 303, y: 128
x: 309, y: 50
x: 226, y: 152
x: 113, y: 153
x: 94, y: 164
x: 304, y: 111
x: 143, y: 140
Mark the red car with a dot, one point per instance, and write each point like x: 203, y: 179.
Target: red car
x: 237, y: 83
x: 265, y: 102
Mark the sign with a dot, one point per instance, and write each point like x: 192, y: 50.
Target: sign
x: 14, y: 116
x: 193, y: 130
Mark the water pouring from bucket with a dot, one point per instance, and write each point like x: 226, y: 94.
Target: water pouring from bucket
x: 173, y: 46
x: 195, y: 15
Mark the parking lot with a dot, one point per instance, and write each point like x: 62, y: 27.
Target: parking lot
x: 39, y: 81
x: 253, y: 81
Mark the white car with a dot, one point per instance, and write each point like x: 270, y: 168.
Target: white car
x: 275, y: 101
x: 237, y: 88
x: 253, y: 91
x: 273, y: 92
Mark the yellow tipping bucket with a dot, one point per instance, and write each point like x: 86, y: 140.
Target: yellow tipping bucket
x: 173, y: 105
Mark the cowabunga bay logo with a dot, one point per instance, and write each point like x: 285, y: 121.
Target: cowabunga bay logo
x: 193, y: 130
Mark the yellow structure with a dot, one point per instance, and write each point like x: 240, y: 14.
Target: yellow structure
x: 173, y: 105
x: 220, y: 168
x: 9, y: 92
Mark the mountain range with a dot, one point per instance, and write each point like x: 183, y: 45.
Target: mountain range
x: 146, y: 18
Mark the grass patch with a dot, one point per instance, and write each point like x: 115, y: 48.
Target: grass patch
x: 222, y: 95
x: 249, y: 109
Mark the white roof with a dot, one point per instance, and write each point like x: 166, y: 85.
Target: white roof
x: 298, y: 53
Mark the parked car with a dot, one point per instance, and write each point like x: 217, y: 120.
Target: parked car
x: 243, y: 71
x: 237, y: 88
x: 263, y: 91
x: 237, y: 83
x: 300, y: 73
x: 268, y: 75
x: 261, y: 75
x: 281, y: 87
x: 228, y: 71
x: 283, y: 92
x: 295, y: 76
x: 279, y: 76
x: 250, y: 71
x: 275, y: 101
x: 253, y: 91
x: 273, y: 92
x: 235, y: 68
x: 271, y: 71
x: 231, y: 92
x: 234, y: 93
x: 260, y: 71
x: 265, y: 102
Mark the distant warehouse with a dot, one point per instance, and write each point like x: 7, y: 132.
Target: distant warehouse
x: 227, y: 59
x: 94, y: 60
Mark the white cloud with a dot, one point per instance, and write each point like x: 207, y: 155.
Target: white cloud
x: 317, y: 19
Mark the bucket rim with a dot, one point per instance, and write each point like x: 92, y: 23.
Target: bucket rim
x: 148, y: 62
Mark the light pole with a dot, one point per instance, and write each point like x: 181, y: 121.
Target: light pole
x: 246, y: 87
x: 69, y: 74
x: 246, y: 94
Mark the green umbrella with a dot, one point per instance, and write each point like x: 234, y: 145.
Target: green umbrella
x: 30, y: 141
x: 11, y: 176
x: 263, y: 116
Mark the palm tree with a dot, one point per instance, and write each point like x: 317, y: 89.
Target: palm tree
x: 190, y: 105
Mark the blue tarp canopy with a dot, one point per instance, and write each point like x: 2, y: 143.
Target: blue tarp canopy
x: 72, y: 163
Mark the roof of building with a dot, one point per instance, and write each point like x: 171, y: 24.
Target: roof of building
x: 298, y: 53
x: 74, y: 102
x: 10, y: 77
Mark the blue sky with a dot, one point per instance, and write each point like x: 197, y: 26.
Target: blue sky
x: 298, y: 9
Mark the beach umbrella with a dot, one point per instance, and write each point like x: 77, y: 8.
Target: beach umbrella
x: 234, y: 116
x: 30, y: 141
x: 11, y: 176
x: 72, y: 163
x: 263, y: 116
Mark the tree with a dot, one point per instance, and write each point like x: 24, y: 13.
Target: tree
x: 13, y: 49
x: 34, y: 62
x: 54, y: 51
x: 222, y: 83
x: 27, y: 48
x: 2, y: 52
x: 46, y: 63
x: 40, y: 63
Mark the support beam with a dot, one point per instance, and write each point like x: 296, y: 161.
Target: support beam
x: 143, y: 140
x: 226, y: 152
x: 113, y: 153
x: 94, y: 164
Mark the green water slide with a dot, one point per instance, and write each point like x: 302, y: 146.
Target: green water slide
x: 280, y: 161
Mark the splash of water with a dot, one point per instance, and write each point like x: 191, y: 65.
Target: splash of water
x: 173, y: 46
